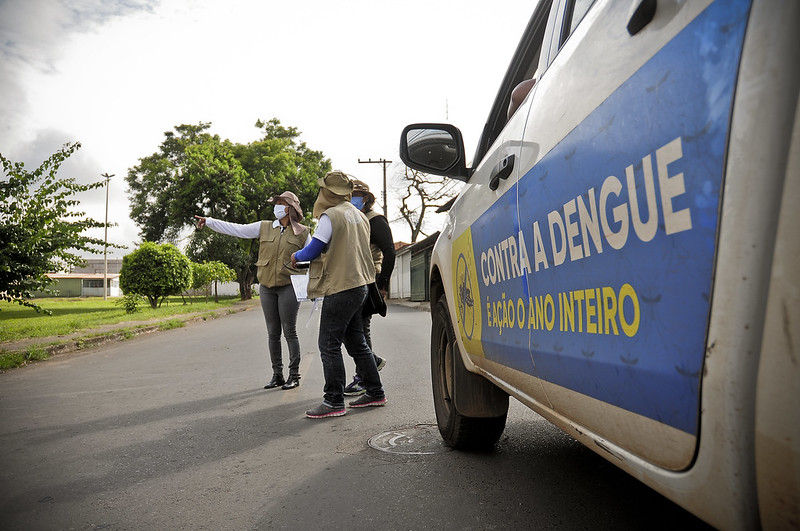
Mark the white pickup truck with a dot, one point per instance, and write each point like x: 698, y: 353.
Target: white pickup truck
x: 624, y: 256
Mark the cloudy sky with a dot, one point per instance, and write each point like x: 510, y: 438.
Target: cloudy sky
x: 349, y: 74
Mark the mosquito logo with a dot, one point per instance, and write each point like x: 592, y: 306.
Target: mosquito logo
x: 464, y: 300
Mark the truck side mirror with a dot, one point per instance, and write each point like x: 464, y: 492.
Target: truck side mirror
x: 434, y: 148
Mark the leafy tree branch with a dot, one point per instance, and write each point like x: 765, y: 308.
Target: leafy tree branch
x: 41, y: 230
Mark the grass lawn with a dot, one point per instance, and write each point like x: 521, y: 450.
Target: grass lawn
x: 72, y: 315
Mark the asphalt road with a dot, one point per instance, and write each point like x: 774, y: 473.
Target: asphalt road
x: 175, y: 431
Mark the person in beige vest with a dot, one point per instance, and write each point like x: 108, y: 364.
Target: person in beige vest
x: 277, y: 241
x: 341, y: 267
x: 381, y: 244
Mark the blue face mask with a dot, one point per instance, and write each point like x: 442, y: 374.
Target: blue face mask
x: 358, y: 202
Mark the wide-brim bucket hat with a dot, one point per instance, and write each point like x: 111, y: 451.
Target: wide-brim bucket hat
x: 361, y: 186
x: 337, y: 182
x: 291, y: 199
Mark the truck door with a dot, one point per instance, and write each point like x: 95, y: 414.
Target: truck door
x: 619, y: 214
x: 489, y: 242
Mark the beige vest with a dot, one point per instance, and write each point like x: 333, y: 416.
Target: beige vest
x: 347, y: 262
x: 275, y: 249
x: 377, y: 254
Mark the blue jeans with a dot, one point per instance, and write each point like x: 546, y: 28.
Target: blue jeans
x: 339, y: 323
x: 280, y: 306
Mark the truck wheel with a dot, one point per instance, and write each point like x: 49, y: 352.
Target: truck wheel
x: 453, y: 385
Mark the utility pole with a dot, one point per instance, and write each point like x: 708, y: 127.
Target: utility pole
x: 105, y: 246
x: 384, y: 162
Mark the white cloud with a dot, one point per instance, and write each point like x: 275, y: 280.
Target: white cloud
x: 348, y: 74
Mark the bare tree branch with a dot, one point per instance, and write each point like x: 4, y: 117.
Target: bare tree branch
x: 419, y: 192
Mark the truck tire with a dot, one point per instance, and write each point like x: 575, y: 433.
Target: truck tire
x: 449, y: 378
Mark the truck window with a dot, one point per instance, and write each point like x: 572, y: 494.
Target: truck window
x: 576, y: 10
x: 522, y: 67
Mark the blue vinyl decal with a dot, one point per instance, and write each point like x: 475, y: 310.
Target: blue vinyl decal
x: 603, y: 284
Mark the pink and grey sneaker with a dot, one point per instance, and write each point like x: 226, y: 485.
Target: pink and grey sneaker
x: 324, y: 411
x: 367, y: 401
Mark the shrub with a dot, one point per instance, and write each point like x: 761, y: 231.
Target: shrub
x: 155, y: 271
x: 130, y: 302
x: 205, y: 273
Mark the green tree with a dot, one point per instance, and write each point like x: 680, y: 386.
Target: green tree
x: 40, y: 230
x: 195, y: 172
x: 210, y: 246
x: 205, y: 273
x: 278, y: 162
x: 155, y: 271
x: 201, y: 277
x: 219, y: 272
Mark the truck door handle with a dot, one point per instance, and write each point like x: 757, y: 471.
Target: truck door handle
x: 501, y: 171
x: 642, y: 16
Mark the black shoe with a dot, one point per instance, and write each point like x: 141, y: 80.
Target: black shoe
x: 277, y: 380
x: 356, y: 387
x: 291, y: 383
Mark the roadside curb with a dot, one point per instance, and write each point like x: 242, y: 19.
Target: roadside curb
x: 424, y: 306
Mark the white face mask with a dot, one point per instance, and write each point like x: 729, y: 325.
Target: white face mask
x: 280, y: 211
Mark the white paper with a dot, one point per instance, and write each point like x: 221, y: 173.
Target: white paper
x: 300, y: 285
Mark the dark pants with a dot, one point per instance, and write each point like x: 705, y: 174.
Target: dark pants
x: 341, y: 322
x: 280, y: 308
x: 367, y: 324
x: 367, y: 320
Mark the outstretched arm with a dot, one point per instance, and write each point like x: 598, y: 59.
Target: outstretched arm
x: 247, y: 230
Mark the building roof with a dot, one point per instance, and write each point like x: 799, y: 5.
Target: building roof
x: 418, y: 246
x: 94, y: 276
x: 426, y: 243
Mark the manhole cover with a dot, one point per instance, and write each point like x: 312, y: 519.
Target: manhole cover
x: 422, y: 439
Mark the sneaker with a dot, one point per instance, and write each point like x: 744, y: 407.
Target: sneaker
x: 381, y: 362
x: 367, y: 401
x: 355, y: 388
x: 324, y: 411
